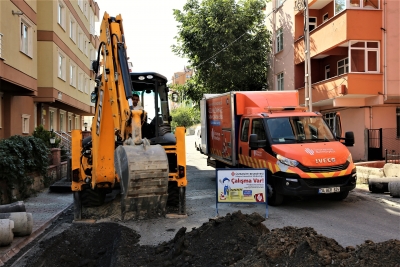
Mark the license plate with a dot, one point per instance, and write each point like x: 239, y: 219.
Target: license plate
x: 328, y: 190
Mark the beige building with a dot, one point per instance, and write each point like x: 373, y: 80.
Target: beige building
x: 46, y: 49
x: 355, y: 67
x: 182, y: 76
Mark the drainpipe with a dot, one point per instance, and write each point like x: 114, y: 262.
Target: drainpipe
x: 370, y: 117
x: 384, y: 53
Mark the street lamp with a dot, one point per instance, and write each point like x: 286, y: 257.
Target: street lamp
x: 85, y: 125
x: 52, y: 137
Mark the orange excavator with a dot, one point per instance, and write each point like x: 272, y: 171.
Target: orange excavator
x: 133, y: 151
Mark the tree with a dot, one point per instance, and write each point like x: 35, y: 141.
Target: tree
x: 226, y: 43
x: 185, y: 116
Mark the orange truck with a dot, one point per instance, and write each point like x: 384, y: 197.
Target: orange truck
x: 269, y: 129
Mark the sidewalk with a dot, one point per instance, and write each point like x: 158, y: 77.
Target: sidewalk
x: 45, y: 208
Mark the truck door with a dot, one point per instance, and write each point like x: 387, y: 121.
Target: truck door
x: 244, y: 142
x: 259, y: 155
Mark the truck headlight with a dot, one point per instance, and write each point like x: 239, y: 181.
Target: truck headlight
x: 350, y: 158
x: 286, y: 161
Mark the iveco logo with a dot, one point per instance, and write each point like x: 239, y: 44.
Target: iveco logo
x: 325, y: 160
x: 309, y: 151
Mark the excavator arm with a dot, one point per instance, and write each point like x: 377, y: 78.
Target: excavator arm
x: 110, y: 157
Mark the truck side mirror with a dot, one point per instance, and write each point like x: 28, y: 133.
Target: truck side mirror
x: 349, y: 139
x: 254, y: 143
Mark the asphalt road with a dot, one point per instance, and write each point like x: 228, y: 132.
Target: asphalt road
x: 361, y: 216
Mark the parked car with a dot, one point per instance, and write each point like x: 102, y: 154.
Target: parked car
x: 197, y: 138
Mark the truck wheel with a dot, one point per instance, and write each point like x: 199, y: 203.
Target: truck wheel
x: 340, y: 196
x: 274, y: 198
x: 92, y: 198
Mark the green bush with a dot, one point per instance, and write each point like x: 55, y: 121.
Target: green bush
x: 185, y: 116
x: 20, y: 156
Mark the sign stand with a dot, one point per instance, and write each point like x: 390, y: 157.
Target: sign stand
x: 241, y: 186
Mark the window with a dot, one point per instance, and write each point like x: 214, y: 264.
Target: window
x: 279, y: 3
x: 61, y: 121
x: 69, y: 123
x: 80, y: 4
x: 333, y: 121
x: 257, y: 128
x: 61, y: 15
x: 176, y: 75
x: 72, y: 29
x: 92, y: 23
x: 340, y: 5
x: 398, y: 121
x: 327, y: 72
x: 61, y: 66
x: 77, y: 123
x: 85, y: 47
x: 25, y: 123
x: 279, y: 82
x: 343, y: 66
x: 72, y: 74
x: 51, y: 119
x: 26, y: 37
x: 312, y: 23
x: 80, y: 39
x: 279, y: 40
x: 86, y: 85
x: 364, y: 56
x: 325, y: 17
x: 81, y: 81
x: 366, y: 4
x: 244, y: 133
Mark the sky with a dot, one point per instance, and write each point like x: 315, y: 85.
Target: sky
x: 150, y: 28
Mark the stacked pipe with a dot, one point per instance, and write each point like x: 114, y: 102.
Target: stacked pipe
x: 14, y: 221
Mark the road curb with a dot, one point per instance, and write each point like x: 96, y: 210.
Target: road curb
x: 20, y: 242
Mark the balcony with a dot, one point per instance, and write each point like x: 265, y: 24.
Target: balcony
x: 350, y: 89
x: 350, y: 24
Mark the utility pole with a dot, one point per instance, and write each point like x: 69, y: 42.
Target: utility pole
x: 303, y: 5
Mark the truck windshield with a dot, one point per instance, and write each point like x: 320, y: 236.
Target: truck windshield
x: 298, y: 130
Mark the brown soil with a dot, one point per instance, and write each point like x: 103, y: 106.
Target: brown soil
x: 234, y: 240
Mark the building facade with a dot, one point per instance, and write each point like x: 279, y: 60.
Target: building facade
x: 354, y: 59
x: 46, y: 49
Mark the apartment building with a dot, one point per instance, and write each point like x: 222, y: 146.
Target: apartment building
x: 354, y: 59
x: 46, y: 48
x: 182, y: 76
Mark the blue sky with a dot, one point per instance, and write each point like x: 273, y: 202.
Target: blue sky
x: 150, y: 28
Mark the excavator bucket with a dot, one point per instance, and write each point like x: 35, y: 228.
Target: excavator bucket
x: 143, y: 171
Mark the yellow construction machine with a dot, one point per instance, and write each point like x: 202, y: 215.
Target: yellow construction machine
x: 130, y: 150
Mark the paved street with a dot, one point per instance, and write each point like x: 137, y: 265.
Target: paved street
x: 360, y: 217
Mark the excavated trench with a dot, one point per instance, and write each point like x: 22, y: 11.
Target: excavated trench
x: 234, y: 240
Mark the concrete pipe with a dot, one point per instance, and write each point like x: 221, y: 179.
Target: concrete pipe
x: 22, y: 222
x: 394, y: 188
x: 380, y: 185
x: 18, y: 206
x: 6, y: 232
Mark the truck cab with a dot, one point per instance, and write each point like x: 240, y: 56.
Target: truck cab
x: 301, y: 153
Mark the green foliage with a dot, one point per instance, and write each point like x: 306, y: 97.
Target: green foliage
x: 20, y: 156
x: 227, y: 44
x: 185, y: 116
x: 41, y: 133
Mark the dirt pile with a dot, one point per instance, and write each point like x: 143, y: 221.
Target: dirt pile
x: 234, y: 240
